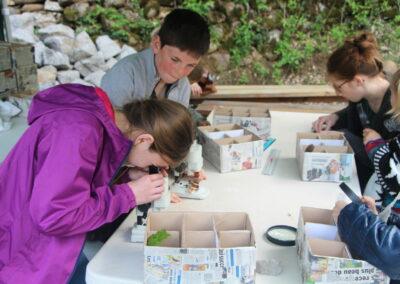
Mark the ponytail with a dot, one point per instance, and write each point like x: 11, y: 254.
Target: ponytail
x: 358, y: 55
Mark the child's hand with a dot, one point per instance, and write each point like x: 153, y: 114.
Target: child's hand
x: 324, y: 123
x: 137, y: 173
x: 175, y: 198
x: 370, y: 202
x: 147, y: 188
x: 196, y: 89
x: 338, y: 207
x: 370, y: 135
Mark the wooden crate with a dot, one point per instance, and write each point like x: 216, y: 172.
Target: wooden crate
x: 18, y: 74
x: 22, y: 54
x: 26, y: 79
x: 5, y: 57
x: 8, y: 82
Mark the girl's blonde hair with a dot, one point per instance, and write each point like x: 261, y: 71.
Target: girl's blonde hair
x: 167, y: 121
x: 394, y: 88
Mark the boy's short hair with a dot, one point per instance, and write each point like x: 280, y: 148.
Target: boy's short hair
x: 186, y: 30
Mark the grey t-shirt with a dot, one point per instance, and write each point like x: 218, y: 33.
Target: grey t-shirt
x: 135, y: 77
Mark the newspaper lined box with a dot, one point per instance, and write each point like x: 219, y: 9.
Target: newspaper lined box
x: 203, y: 247
x: 324, y: 157
x: 230, y: 147
x: 325, y: 259
x: 255, y: 119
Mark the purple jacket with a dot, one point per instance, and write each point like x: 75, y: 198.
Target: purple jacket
x: 55, y: 185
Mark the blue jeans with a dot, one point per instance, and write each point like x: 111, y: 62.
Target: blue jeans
x: 79, y: 273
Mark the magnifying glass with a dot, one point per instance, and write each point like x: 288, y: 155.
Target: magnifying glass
x: 281, y: 235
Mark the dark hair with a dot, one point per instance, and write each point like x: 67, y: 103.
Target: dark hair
x: 185, y: 30
x: 358, y: 55
x: 167, y: 121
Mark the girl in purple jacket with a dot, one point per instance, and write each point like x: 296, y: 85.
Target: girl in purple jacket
x: 58, y: 182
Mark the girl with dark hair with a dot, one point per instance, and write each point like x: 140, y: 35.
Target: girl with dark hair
x: 355, y: 71
x: 59, y: 181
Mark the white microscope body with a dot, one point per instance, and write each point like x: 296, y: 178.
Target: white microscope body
x: 189, y: 187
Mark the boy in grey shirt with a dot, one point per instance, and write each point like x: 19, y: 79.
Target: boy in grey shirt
x: 161, y: 71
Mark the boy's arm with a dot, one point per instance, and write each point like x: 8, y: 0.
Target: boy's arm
x: 64, y: 201
x: 370, y: 238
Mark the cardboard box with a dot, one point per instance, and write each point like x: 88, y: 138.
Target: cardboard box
x: 254, y: 119
x: 18, y: 74
x: 325, y: 259
x: 203, y: 247
x: 230, y: 147
x: 324, y: 157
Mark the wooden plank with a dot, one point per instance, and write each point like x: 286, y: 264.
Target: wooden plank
x: 207, y: 106
x: 269, y: 91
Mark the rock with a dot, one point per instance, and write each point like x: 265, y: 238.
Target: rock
x: 107, y: 46
x: 95, y: 78
x: 91, y: 64
x: 216, y: 17
x: 151, y: 9
x: 14, y: 10
x: 82, y: 82
x: 125, y: 51
x: 75, y: 11
x: 274, y: 35
x: 39, y: 50
x: 164, y: 11
x: 64, y: 3
x: 10, y: 3
x: 229, y: 7
x: 22, y: 2
x: 55, y: 58
x: 59, y: 43
x: 389, y: 67
x: 219, y: 61
x: 130, y: 15
x: 42, y: 19
x: 52, y: 6
x: 68, y: 76
x: 32, y: 7
x: 58, y: 29
x: 46, y: 85
x: 83, y: 47
x: 46, y: 74
x: 110, y: 63
x: 22, y: 21
x: 24, y: 35
x: 115, y: 3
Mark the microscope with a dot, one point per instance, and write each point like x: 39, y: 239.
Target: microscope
x: 187, y: 182
x: 163, y: 202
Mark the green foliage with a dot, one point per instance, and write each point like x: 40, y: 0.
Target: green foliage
x: 260, y: 70
x: 157, y: 238
x: 243, y: 79
x: 118, y: 26
x: 243, y: 39
x: 307, y: 28
x: 199, y: 6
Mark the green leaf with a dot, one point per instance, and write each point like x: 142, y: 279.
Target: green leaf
x: 157, y: 238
